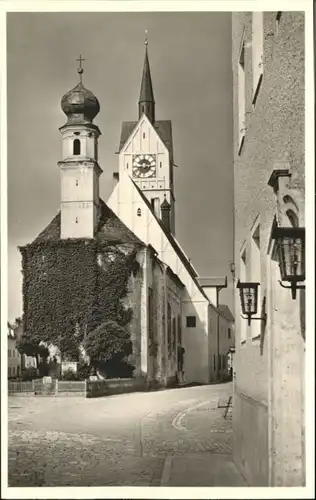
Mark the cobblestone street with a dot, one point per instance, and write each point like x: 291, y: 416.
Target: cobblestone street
x: 126, y: 440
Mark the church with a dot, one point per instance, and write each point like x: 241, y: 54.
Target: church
x: 68, y: 268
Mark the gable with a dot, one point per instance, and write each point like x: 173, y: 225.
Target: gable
x: 110, y: 229
x: 162, y: 128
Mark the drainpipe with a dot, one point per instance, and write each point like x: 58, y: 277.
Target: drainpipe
x: 218, y: 289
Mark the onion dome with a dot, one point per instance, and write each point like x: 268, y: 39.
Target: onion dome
x: 80, y: 104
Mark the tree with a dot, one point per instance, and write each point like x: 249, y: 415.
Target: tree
x: 109, y: 343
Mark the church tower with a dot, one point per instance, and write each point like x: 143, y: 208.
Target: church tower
x: 79, y: 167
x: 146, y: 151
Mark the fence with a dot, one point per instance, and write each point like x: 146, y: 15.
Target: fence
x: 85, y: 388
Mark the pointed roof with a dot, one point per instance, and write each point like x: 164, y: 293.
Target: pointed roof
x: 162, y: 127
x: 146, y: 89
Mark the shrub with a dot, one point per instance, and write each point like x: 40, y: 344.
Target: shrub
x: 69, y: 375
x: 29, y: 374
x: 84, y: 371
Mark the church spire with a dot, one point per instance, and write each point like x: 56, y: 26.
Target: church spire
x: 146, y: 103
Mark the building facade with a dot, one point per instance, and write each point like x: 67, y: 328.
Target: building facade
x: 269, y: 395
x: 14, y: 357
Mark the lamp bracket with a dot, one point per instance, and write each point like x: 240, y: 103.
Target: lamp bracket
x: 264, y: 318
x: 298, y: 287
x: 293, y: 287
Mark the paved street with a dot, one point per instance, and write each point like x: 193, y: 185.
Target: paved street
x: 177, y: 437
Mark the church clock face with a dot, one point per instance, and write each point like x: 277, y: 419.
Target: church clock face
x: 144, y: 166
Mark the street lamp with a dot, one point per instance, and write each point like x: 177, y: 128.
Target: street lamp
x: 290, y: 243
x: 248, y: 292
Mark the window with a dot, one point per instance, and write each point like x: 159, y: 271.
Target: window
x: 139, y: 212
x: 77, y: 182
x: 150, y: 314
x: 143, y: 109
x: 229, y: 332
x: 255, y: 275
x: 179, y: 330
x: 77, y: 147
x: 241, y: 98
x: 76, y: 220
x: 13, y: 370
x: 9, y: 353
x: 174, y: 333
x: 144, y: 135
x: 169, y: 327
x: 257, y: 53
x: 160, y: 164
x: 9, y: 370
x: 214, y: 362
x: 219, y: 361
x: 13, y: 353
x: 243, y: 277
x: 191, y: 321
x: 127, y: 165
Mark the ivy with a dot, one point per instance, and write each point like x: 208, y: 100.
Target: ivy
x: 71, y: 287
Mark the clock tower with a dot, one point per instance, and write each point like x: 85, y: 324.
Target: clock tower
x: 146, y: 151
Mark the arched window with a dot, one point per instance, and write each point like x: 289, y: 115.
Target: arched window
x: 77, y: 147
x: 139, y: 212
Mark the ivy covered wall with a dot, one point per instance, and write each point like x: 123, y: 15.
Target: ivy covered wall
x: 70, y: 287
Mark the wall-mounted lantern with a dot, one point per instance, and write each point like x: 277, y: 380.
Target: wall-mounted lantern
x: 249, y: 300
x: 290, y: 243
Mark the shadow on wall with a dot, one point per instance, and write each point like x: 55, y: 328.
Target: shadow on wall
x: 301, y: 296
x: 195, y: 342
x: 263, y: 325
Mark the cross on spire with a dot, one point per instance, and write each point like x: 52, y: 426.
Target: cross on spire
x: 80, y: 69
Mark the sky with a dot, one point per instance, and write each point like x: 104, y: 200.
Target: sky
x: 190, y: 59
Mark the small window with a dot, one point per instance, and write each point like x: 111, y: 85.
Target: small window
x: 77, y: 147
x: 143, y: 109
x: 257, y: 53
x: 160, y: 164
x: 241, y: 98
x: 139, y: 212
x: 229, y: 333
x: 13, y: 352
x: 9, y: 370
x: 77, y: 183
x: 76, y: 220
x: 191, y: 321
x: 126, y: 165
x: 13, y: 370
x: 144, y: 135
x: 214, y: 362
x: 9, y: 353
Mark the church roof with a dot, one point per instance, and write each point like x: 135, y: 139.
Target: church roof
x: 111, y: 229
x: 162, y: 127
x: 186, y: 263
